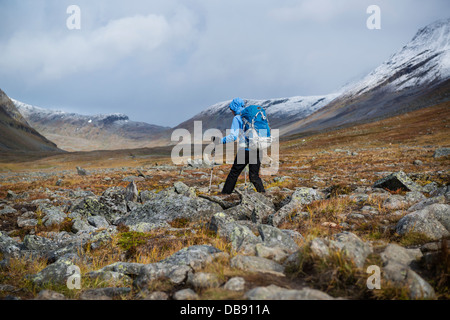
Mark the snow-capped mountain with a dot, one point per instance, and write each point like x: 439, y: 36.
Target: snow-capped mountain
x: 75, y: 132
x: 417, y: 76
x: 280, y: 111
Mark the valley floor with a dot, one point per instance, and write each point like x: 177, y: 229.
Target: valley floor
x: 127, y: 239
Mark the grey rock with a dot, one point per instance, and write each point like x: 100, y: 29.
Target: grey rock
x: 79, y: 225
x: 395, y: 202
x: 397, y: 180
x: 401, y: 275
x: 204, y: 280
x: 50, y: 295
x: 176, y: 274
x: 126, y: 268
x: 81, y: 171
x: 147, y: 227
x: 242, y: 237
x: 356, y: 249
x: 25, y: 222
x: 52, y: 215
x: 36, y: 243
x: 235, y: 284
x: 276, y: 254
x: 398, y: 254
x: 185, y: 294
x: 432, y: 221
x: 257, y: 206
x: 414, y: 197
x: 195, y: 257
x: 104, y: 293
x: 108, y: 276
x: 8, y: 246
x: 98, y: 222
x: 168, y: 206
x: 441, y: 152
x: 131, y: 192
x: 426, y: 202
x: 56, y: 273
x: 256, y: 264
x: 300, y: 197
x: 273, y: 237
x: 7, y: 210
x: 353, y: 247
x: 156, y: 295
x: 274, y: 292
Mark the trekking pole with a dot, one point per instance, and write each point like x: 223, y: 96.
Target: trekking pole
x: 212, y: 168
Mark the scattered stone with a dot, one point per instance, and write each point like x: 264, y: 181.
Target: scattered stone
x: 398, y: 254
x: 256, y: 264
x: 235, y: 284
x: 81, y: 171
x: 185, y: 294
x: 273, y: 237
x: 50, y: 295
x: 274, y: 292
x: 104, y: 293
x: 276, y: 254
x: 433, y: 221
x: 417, y: 162
x: 7, y: 210
x: 131, y: 192
x: 441, y: 152
x: 156, y: 295
x: 300, y: 197
x: 56, y: 273
x: 203, y: 280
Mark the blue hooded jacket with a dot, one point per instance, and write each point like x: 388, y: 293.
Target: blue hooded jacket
x: 237, y: 105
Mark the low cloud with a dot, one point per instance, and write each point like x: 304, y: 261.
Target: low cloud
x: 53, y: 56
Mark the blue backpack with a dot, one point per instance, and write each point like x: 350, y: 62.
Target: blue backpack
x: 256, y: 127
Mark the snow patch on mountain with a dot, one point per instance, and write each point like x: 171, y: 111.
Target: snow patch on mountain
x: 35, y: 112
x: 299, y: 106
x: 426, y: 58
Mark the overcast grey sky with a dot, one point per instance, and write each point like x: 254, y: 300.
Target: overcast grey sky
x: 163, y: 61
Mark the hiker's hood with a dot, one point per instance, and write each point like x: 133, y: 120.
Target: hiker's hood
x: 237, y: 105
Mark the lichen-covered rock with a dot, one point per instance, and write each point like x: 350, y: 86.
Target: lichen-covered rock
x: 185, y: 294
x: 8, y: 246
x: 176, y: 274
x: 274, y: 237
x: 126, y: 268
x: 52, y: 215
x: 398, y: 254
x: 56, y: 273
x: 168, y: 206
x: 299, y: 198
x: 235, y: 284
x: 104, y: 293
x: 397, y: 180
x: 256, y: 264
x: 402, y: 275
x: 195, y: 257
x: 204, y: 280
x: 433, y: 221
x: 351, y: 245
x: 242, y: 237
x: 274, y: 292
x: 276, y: 254
x: 441, y: 152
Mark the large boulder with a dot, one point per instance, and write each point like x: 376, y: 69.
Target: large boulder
x: 397, y: 270
x: 397, y: 180
x: 273, y: 237
x: 168, y: 205
x: 433, y: 221
x: 346, y: 242
x: 301, y: 196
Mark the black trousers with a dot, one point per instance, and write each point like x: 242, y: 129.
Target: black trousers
x: 244, y: 157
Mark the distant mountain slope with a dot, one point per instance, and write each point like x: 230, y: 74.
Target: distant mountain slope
x: 415, y: 77
x: 280, y: 111
x: 74, y: 132
x: 16, y: 134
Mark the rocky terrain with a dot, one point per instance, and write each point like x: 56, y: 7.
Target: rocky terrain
x: 152, y: 230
